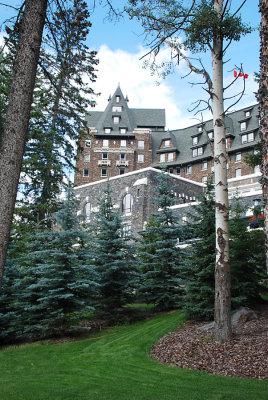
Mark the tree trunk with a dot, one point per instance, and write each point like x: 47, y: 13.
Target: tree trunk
x: 18, y: 115
x: 222, y: 268
x: 263, y: 100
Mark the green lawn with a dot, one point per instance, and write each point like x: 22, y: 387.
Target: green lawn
x: 113, y: 365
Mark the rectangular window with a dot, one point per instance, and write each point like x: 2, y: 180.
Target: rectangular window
x: 85, y: 172
x: 105, y: 156
x: 121, y: 171
x: 200, y: 129
x: 170, y: 156
x: 126, y: 230
x: 251, y: 137
x: 140, y: 144
x: 188, y: 169
x: 117, y: 99
x: 105, y: 143
x: 200, y: 151
x: 88, y: 143
x: 162, y: 157
x: 211, y: 135
x: 116, y: 120
x: 122, y: 156
x: 238, y: 157
x: 117, y: 109
x: 257, y: 169
x: 194, y: 152
x: 123, y: 143
x: 178, y: 171
x: 140, y: 158
x: 107, y: 130
x: 243, y: 126
x: 87, y: 157
x: 238, y: 172
x: 195, y: 140
x: 167, y: 143
x: 104, y: 172
x: 204, y: 179
x: 248, y: 113
x: 123, y: 130
x: 204, y: 165
x: 170, y: 170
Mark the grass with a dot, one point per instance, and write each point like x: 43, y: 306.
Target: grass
x: 113, y: 365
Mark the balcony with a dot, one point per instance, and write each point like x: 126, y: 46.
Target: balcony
x: 122, y: 163
x: 104, y: 163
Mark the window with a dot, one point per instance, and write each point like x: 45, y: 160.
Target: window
x: 126, y: 230
x: 117, y: 108
x: 116, y: 120
x: 104, y: 172
x: 257, y: 169
x: 122, y: 156
x: 238, y: 172
x: 170, y: 170
x: 105, y: 156
x: 87, y: 157
x: 198, y: 151
x: 140, y: 144
x: 248, y: 138
x: 238, y: 157
x: 211, y: 135
x: 117, y: 99
x: 87, y: 210
x: 247, y: 113
x: 167, y: 143
x: 107, y: 130
x: 121, y: 171
x: 204, y: 179
x: 123, y: 143
x: 127, y: 204
x: 188, y: 169
x: 200, y: 129
x: 123, y: 130
x: 105, y: 143
x: 140, y: 158
x: 195, y: 140
x: 162, y: 157
x: 243, y: 126
x: 85, y: 172
x: 204, y: 165
x: 88, y: 143
x: 170, y: 156
x: 178, y: 171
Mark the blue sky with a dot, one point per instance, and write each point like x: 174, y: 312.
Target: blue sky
x: 120, y: 46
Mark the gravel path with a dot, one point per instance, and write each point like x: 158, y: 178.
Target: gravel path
x: 245, y: 355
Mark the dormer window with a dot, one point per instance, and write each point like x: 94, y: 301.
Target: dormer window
x: 123, y: 130
x: 195, y: 140
x: 248, y: 138
x: 117, y: 109
x: 198, y: 151
x: 107, y: 130
x: 243, y: 126
x: 211, y: 135
x: 162, y: 157
x: 116, y: 120
x: 167, y: 143
x: 248, y: 113
x: 200, y: 129
x: 117, y: 99
x: 170, y: 156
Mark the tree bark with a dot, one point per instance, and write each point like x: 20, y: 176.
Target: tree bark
x: 18, y: 115
x: 222, y: 314
x: 263, y: 100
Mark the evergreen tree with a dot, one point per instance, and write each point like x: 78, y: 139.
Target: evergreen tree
x: 199, y: 266
x: 247, y: 253
x: 159, y: 259
x: 58, y: 284
x: 113, y: 260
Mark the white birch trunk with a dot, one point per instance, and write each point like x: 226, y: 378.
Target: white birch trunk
x: 222, y: 314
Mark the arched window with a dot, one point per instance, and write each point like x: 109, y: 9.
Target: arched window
x: 88, y: 210
x: 127, y: 204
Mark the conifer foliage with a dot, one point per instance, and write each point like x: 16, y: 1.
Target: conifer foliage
x: 113, y: 260
x: 159, y: 259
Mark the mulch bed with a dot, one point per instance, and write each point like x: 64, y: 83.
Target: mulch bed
x: 245, y: 355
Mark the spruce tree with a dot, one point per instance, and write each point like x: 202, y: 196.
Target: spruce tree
x: 159, y: 258
x: 58, y: 283
x: 113, y: 260
x: 200, y: 265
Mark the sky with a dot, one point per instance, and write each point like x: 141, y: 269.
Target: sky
x: 120, y: 46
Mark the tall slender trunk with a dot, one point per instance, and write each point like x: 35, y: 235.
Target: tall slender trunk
x: 18, y: 115
x: 263, y: 99
x: 222, y: 268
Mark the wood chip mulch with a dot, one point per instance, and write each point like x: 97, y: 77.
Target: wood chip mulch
x: 245, y: 355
